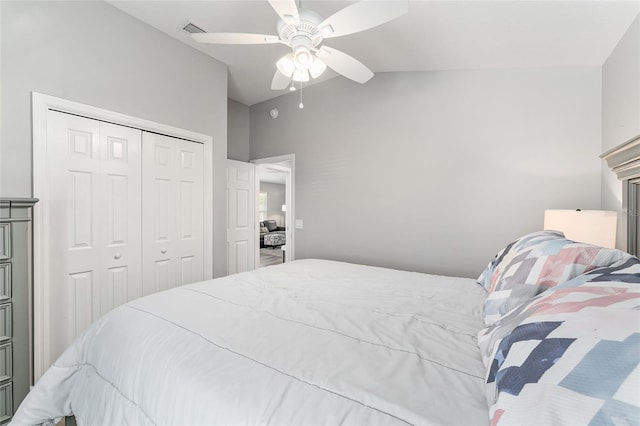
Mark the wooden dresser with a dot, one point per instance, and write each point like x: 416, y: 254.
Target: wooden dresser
x: 16, y: 292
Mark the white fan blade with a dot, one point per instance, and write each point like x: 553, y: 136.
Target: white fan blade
x: 361, y: 16
x: 280, y: 81
x: 235, y: 38
x: 287, y: 10
x: 344, y: 64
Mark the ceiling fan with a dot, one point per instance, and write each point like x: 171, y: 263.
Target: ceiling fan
x: 304, y: 31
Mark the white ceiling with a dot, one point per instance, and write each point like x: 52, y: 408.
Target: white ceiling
x: 273, y: 172
x: 433, y: 35
x: 272, y: 176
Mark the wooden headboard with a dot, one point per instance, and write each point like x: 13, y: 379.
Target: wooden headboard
x: 624, y: 160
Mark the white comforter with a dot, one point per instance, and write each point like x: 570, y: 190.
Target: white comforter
x: 308, y: 342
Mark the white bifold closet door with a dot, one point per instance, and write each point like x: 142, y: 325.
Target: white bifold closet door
x: 125, y: 219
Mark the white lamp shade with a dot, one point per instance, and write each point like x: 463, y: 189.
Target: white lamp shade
x: 302, y: 57
x: 597, y: 227
x: 285, y: 65
x: 301, y: 75
x: 317, y: 68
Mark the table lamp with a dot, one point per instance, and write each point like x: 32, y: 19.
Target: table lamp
x: 597, y: 227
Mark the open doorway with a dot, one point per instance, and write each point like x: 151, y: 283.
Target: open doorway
x: 274, y: 210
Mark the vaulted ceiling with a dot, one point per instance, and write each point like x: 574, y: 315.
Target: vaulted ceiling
x: 433, y: 35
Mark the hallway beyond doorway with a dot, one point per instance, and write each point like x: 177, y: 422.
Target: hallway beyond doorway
x: 271, y: 256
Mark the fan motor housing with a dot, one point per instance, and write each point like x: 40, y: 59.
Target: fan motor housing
x: 308, y: 28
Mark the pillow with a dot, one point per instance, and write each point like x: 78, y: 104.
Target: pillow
x: 569, y: 355
x: 534, y: 263
x: 270, y: 225
x: 485, y: 277
x: 264, y: 230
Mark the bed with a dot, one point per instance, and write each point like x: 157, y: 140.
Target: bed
x: 323, y: 342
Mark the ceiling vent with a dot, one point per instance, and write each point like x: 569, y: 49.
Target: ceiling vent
x: 192, y: 29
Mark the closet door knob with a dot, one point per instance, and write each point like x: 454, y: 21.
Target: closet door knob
x: 117, y: 256
x: 163, y: 251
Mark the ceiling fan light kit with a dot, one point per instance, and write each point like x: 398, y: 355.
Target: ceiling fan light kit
x: 304, y: 30
x: 289, y: 68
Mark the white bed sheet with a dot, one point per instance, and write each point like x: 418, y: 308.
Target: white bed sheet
x: 308, y: 342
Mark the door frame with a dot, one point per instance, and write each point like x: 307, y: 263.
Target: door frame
x: 41, y: 103
x: 289, y: 201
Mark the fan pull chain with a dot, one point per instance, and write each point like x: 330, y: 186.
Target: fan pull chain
x: 300, y: 105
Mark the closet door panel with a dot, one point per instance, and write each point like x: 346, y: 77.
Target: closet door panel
x: 121, y: 170
x: 191, y: 220
x: 158, y: 228
x: 94, y: 171
x: 172, y: 180
x: 73, y: 163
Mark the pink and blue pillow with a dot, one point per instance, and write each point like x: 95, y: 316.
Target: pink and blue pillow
x: 535, y: 263
x: 569, y: 355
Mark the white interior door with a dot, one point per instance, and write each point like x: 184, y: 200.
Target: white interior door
x: 241, y: 223
x: 172, y: 232
x: 95, y: 237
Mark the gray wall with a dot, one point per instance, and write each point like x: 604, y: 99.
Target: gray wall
x: 435, y: 171
x: 276, y: 197
x: 92, y: 53
x: 620, y: 113
x: 238, y: 131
